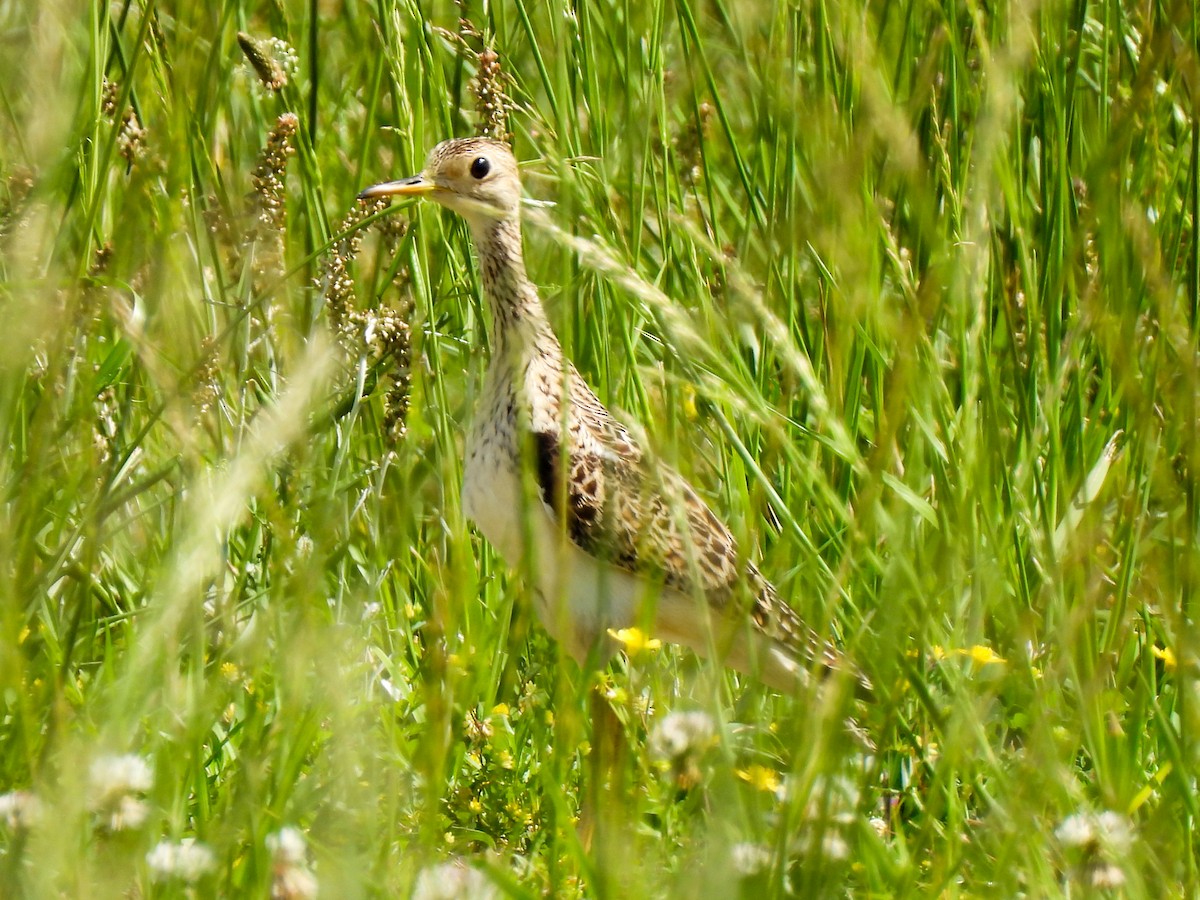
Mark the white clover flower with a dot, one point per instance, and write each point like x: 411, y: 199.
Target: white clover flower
x: 678, y: 741
x: 1076, y: 830
x: 1105, y: 875
x: 127, y: 814
x: 293, y: 883
x: 291, y: 879
x: 287, y: 845
x: 453, y: 881
x: 834, y: 847
x: 1094, y: 842
x: 20, y: 810
x: 680, y: 734
x: 188, y: 860
x: 1088, y: 829
x: 749, y: 859
x: 115, y: 786
x: 1114, y: 831
x: 124, y: 774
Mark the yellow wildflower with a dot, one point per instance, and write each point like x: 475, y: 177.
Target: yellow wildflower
x: 635, y: 640
x: 689, y: 403
x: 1167, y: 655
x: 982, y: 655
x: 760, y: 778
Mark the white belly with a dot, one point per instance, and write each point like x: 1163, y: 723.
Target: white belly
x: 578, y: 597
x: 492, y: 499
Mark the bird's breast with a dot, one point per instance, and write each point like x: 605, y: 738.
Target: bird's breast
x: 492, y: 494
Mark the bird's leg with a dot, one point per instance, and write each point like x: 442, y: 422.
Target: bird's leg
x: 604, y: 800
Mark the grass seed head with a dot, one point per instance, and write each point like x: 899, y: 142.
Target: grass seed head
x: 131, y: 135
x: 270, y: 193
x: 491, y: 102
x: 271, y: 59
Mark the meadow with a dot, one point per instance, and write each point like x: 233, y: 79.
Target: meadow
x: 909, y: 290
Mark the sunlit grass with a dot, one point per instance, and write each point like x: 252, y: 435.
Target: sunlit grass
x: 909, y: 291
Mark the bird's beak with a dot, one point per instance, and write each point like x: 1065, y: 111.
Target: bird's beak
x: 416, y: 186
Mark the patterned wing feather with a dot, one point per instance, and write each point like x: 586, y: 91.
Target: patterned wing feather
x: 648, y: 520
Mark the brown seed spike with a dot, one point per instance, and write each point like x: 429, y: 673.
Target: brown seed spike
x: 491, y: 103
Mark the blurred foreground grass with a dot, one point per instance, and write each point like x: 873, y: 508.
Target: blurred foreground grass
x: 931, y: 344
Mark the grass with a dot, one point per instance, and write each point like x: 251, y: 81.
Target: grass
x: 910, y: 290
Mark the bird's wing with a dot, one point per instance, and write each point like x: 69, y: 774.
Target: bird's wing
x: 648, y: 520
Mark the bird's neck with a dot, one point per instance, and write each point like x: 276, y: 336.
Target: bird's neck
x: 517, y: 316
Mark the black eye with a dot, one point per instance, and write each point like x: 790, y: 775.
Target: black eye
x: 480, y: 168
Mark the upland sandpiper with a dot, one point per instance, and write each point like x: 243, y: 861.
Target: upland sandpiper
x: 612, y: 538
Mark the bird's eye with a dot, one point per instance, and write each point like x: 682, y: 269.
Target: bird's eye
x: 480, y: 168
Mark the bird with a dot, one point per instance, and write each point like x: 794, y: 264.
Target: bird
x: 612, y: 537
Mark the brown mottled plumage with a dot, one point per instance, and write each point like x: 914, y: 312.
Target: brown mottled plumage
x: 562, y: 490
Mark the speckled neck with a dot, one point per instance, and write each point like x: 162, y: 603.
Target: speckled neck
x: 512, y: 299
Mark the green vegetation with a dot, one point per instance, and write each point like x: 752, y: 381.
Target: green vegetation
x: 909, y: 290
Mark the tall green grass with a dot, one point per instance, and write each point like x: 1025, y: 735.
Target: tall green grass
x: 909, y: 290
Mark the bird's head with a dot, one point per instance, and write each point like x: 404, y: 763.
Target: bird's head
x: 475, y: 177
